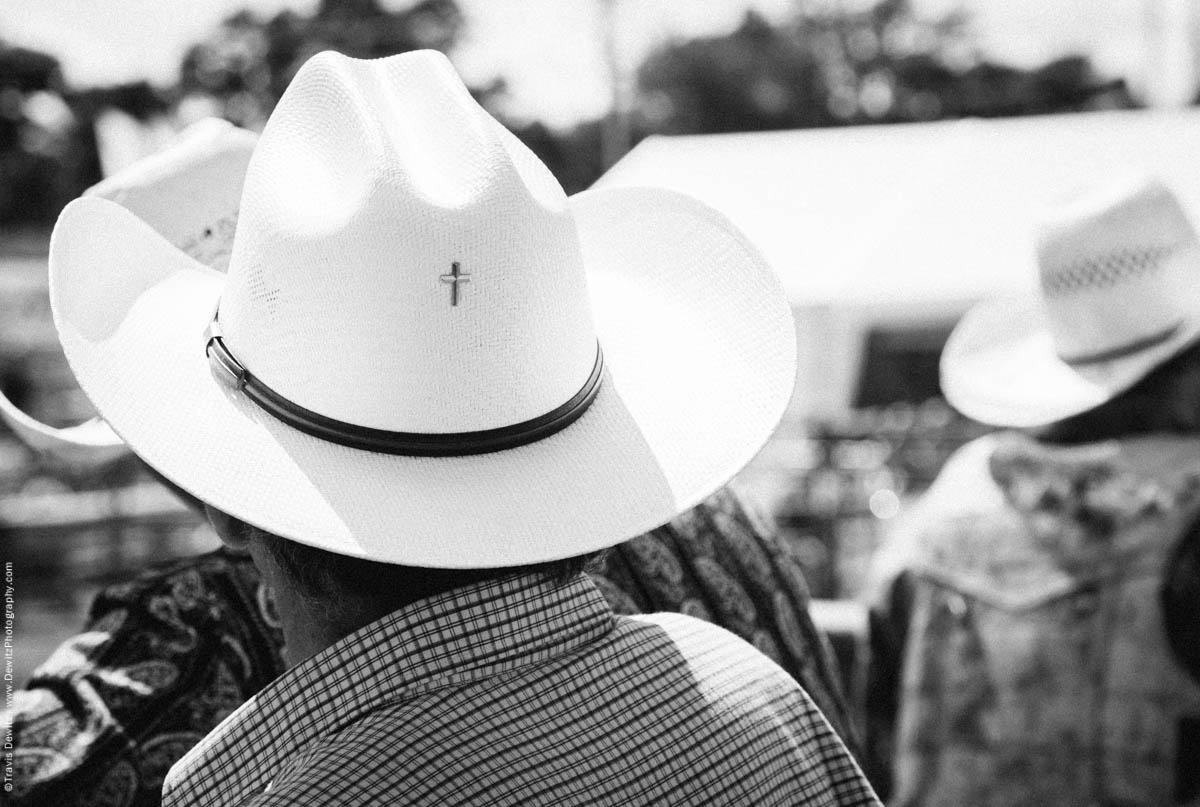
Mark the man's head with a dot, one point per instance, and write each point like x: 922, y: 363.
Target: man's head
x: 424, y: 354
x: 351, y: 591
x: 1166, y: 401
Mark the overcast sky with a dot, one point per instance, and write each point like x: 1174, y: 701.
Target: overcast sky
x: 551, y: 50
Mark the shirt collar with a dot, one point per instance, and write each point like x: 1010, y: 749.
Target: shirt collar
x: 466, y: 634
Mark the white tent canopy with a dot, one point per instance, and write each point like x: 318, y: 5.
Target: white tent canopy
x: 906, y: 223
x: 899, y: 213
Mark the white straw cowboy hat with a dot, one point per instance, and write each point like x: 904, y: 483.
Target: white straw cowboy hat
x: 1120, y: 294
x: 189, y: 194
x: 423, y: 352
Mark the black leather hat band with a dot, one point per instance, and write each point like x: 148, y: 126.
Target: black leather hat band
x: 411, y: 444
x: 1128, y: 349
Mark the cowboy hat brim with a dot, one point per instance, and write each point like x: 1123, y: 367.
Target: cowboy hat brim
x: 91, y: 442
x: 1000, y: 366
x: 700, y: 354
x: 200, y: 172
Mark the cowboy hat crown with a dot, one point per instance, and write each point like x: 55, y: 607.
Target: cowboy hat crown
x: 430, y: 256
x: 1116, y: 270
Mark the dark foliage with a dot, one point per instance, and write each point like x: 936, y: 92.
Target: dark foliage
x: 881, y: 64
x: 884, y: 64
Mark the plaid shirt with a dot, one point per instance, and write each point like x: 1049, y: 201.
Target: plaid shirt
x: 525, y: 692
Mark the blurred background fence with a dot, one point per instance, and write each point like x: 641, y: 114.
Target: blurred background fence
x: 835, y: 475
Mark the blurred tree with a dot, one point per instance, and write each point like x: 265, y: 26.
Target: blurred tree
x: 48, y: 152
x: 28, y: 71
x: 828, y: 66
x: 246, y: 64
x: 43, y: 160
x: 574, y: 156
x: 757, y: 77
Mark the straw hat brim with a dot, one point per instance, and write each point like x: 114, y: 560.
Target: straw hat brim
x: 203, y: 166
x: 1000, y: 367
x: 700, y: 353
x: 91, y: 442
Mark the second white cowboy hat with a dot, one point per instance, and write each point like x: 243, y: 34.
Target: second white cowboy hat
x: 423, y: 352
x: 1119, y: 271
x: 189, y: 194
